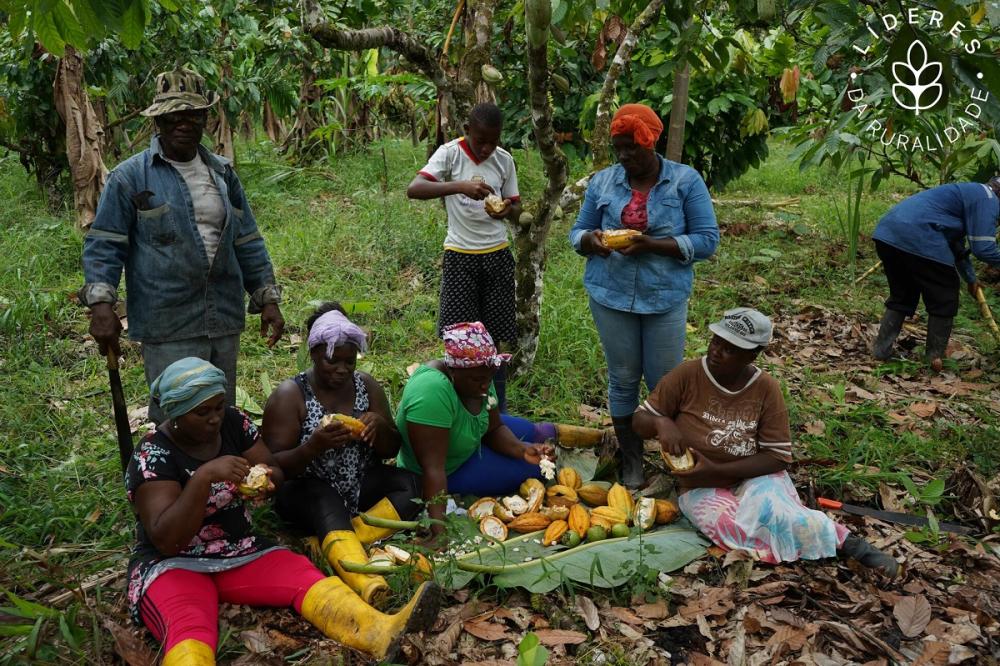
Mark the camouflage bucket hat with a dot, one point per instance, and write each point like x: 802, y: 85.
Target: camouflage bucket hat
x: 180, y: 90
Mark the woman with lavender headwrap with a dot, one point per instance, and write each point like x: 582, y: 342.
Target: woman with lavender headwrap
x: 333, y: 473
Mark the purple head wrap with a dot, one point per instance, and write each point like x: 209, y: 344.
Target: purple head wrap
x: 333, y: 329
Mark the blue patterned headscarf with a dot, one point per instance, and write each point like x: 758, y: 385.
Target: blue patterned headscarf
x: 185, y: 384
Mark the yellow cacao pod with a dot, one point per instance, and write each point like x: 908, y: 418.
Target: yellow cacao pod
x: 559, y: 495
x: 594, y: 493
x: 351, y: 423
x: 492, y: 526
x: 528, y: 486
x: 666, y: 512
x: 645, y: 513
x: 609, y: 514
x: 502, y: 512
x: 555, y: 512
x: 569, y: 477
x: 681, y: 463
x: 616, y: 239
x: 620, y: 498
x: 529, y: 522
x: 482, y: 507
x: 579, y: 519
x: 554, y: 532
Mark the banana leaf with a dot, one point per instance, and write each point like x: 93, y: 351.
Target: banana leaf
x: 524, y: 562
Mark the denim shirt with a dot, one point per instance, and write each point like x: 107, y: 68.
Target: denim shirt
x: 934, y: 224
x: 145, y: 223
x: 679, y: 207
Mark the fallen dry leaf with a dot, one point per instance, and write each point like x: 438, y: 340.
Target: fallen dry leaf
x: 923, y: 409
x: 588, y: 611
x: 912, y: 615
x: 132, y: 649
x: 560, y: 637
x: 485, y: 630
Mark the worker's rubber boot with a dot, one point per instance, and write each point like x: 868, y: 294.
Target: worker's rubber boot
x: 190, y: 652
x: 369, y: 534
x: 572, y: 436
x: 868, y: 555
x: 343, y: 546
x: 938, y: 334
x: 629, y: 453
x: 334, y: 608
x: 888, y: 331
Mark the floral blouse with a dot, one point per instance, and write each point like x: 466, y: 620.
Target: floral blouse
x: 225, y: 540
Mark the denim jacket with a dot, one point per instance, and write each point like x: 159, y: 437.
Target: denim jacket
x: 145, y: 224
x: 679, y: 207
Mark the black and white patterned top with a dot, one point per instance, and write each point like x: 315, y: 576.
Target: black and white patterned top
x: 343, y: 468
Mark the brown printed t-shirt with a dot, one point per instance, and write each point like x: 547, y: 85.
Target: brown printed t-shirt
x: 724, y: 425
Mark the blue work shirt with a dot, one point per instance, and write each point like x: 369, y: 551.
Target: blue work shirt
x: 934, y: 224
x: 145, y: 223
x: 679, y: 207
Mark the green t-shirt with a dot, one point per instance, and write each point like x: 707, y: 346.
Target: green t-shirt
x: 430, y: 399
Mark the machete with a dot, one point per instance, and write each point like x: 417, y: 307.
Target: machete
x: 121, y: 411
x: 890, y: 516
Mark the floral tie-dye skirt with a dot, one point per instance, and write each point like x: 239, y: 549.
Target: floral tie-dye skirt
x: 764, y: 516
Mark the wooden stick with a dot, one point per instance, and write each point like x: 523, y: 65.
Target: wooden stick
x: 869, y: 271
x: 451, y: 30
x: 984, y: 309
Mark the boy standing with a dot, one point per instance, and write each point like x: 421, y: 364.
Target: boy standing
x: 478, y: 181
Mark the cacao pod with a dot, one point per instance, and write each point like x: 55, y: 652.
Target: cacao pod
x: 645, y: 513
x: 255, y: 482
x: 528, y: 485
x: 610, y: 514
x: 561, y: 82
x: 601, y: 521
x: 536, y: 499
x: 491, y: 74
x: 554, y: 532
x: 666, y: 512
x: 555, y: 512
x: 594, y: 493
x: 616, y: 239
x: 579, y: 519
x: 516, y: 504
x: 493, y: 527
x: 481, y: 508
x: 681, y: 463
x: 569, y: 477
x: 494, y: 204
x: 619, y: 530
x: 559, y: 495
x: 381, y: 558
x: 571, y: 539
x: 529, y: 522
x: 502, y: 512
x: 351, y: 423
x: 597, y: 533
x: 620, y: 498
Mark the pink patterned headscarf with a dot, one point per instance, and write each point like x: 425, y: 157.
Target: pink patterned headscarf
x: 333, y: 329
x: 469, y: 345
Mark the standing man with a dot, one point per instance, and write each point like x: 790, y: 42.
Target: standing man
x: 175, y: 217
x: 477, y: 281
x: 921, y: 242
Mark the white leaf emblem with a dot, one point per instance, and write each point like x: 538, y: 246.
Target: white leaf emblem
x: 910, y: 76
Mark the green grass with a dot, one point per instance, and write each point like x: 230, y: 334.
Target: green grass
x: 348, y: 233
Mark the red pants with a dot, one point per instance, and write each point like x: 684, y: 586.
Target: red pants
x: 184, y: 604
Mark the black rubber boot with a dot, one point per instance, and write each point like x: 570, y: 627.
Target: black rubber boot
x: 868, y: 555
x: 629, y: 453
x: 938, y: 334
x: 888, y: 331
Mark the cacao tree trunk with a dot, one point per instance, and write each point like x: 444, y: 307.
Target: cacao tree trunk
x: 84, y: 135
x: 272, y: 125
x: 477, y: 48
x: 678, y: 114
x: 222, y: 136
x: 300, y: 141
x: 531, y: 232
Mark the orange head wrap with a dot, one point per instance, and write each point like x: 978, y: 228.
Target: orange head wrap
x: 640, y: 121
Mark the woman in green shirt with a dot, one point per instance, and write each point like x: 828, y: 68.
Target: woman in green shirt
x: 454, y: 436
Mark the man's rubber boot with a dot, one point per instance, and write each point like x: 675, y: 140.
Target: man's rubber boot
x: 888, y: 331
x: 334, y: 608
x: 868, y: 555
x: 369, y: 534
x: 630, y: 452
x: 190, y: 652
x: 343, y: 545
x: 938, y: 334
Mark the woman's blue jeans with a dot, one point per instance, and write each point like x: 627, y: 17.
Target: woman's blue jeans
x: 638, y: 346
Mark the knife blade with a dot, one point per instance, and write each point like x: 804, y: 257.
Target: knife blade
x: 890, y: 516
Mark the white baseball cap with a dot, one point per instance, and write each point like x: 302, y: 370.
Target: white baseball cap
x: 744, y: 327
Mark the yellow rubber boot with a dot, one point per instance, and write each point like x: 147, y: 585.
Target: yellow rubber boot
x: 344, y: 545
x: 368, y: 534
x: 190, y: 652
x: 334, y: 608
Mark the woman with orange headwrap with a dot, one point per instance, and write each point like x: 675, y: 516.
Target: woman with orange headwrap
x: 639, y: 287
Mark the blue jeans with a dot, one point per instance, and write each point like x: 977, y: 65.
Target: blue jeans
x: 637, y: 346
x: 488, y: 473
x: 220, y: 352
